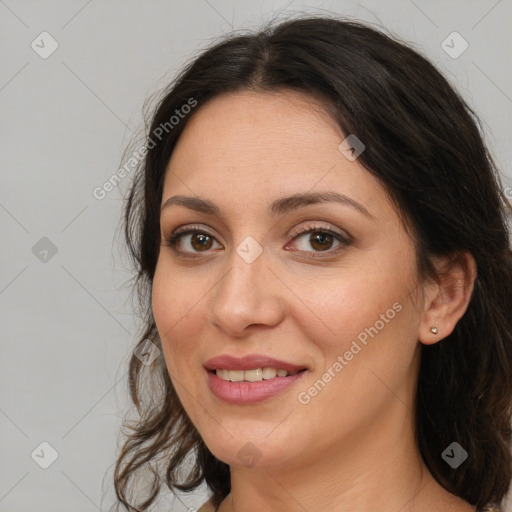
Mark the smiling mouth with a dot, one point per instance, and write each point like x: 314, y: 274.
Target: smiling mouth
x: 253, y: 375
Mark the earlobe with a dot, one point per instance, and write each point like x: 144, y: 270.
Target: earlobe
x: 448, y: 300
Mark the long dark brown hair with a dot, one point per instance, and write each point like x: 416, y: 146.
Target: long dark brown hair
x: 425, y: 145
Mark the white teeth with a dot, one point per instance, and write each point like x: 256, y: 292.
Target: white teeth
x: 254, y: 375
x: 236, y: 375
x: 269, y: 373
x: 223, y: 374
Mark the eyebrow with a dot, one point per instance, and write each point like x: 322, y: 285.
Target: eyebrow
x: 278, y: 207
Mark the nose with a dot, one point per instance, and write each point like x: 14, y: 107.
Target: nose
x: 247, y: 295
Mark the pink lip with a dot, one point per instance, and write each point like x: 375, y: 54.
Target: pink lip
x: 249, y: 362
x: 249, y: 392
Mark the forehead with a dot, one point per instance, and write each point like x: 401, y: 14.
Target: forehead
x: 252, y: 123
x: 253, y: 146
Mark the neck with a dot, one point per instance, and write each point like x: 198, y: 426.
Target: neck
x: 378, y: 469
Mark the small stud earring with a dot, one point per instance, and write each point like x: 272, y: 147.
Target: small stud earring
x: 434, y: 330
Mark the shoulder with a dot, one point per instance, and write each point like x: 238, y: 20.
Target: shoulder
x: 207, y: 507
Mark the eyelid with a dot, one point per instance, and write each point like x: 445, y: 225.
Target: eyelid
x: 311, y: 226
x: 192, y: 227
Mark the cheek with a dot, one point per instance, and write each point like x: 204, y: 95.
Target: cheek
x: 363, y: 325
x: 353, y: 302
x: 176, y: 306
x: 365, y: 365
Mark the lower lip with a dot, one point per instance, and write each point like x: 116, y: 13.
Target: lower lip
x: 250, y: 392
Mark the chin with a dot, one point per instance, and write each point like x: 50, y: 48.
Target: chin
x: 252, y: 451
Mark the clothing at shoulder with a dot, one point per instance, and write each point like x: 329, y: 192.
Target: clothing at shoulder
x: 207, y: 507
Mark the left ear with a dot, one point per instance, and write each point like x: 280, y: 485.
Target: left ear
x: 446, y: 301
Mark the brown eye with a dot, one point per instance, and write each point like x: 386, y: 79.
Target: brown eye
x: 201, y: 241
x: 321, y: 241
x: 314, y: 239
x: 190, y: 241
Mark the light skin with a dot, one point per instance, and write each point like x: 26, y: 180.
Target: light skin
x: 305, y: 299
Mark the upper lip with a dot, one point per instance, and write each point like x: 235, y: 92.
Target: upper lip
x: 249, y: 362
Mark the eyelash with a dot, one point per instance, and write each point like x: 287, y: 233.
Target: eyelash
x: 173, y: 239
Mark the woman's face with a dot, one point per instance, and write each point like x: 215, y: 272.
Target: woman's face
x: 299, y: 262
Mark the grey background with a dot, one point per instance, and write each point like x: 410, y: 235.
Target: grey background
x: 66, y: 324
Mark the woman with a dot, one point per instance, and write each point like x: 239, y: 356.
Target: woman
x: 323, y: 261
